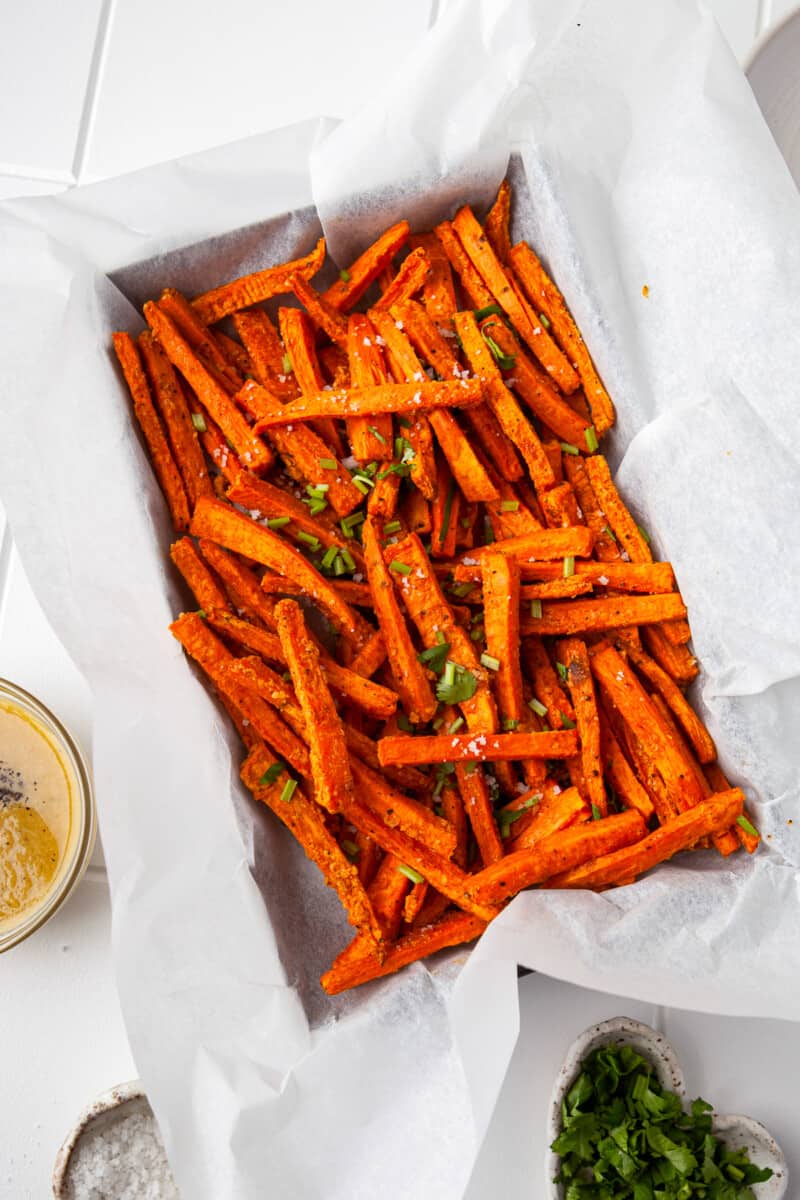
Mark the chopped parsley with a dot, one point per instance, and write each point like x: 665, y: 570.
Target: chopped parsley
x: 456, y: 685
x: 272, y: 773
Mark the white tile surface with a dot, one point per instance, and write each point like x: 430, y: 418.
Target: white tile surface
x: 46, y: 53
x: 178, y: 78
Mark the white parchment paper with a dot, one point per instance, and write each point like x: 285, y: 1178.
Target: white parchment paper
x: 642, y: 160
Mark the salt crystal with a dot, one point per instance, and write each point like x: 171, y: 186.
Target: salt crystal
x: 120, y: 1155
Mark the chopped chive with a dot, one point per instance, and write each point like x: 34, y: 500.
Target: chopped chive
x: 308, y: 538
x: 348, y: 524
x: 510, y: 724
x: 289, y: 789
x: 278, y: 522
x: 201, y: 612
x: 435, y: 657
x: 449, y: 677
x: 477, y: 634
x: 328, y: 464
x: 607, y: 529
x: 272, y: 773
x: 199, y: 422
x: 317, y: 490
x: 491, y: 310
x: 338, y: 566
x: 568, y: 448
x: 591, y: 439
x: 562, y: 671
x: 488, y: 532
x: 565, y: 721
x: 404, y: 724
x: 569, y: 566
x: 392, y: 527
x: 400, y: 568
x: 537, y: 706
x: 544, y: 319
x: 747, y: 826
x: 363, y: 485
x: 350, y: 848
x: 470, y: 768
x: 490, y: 662
x: 460, y: 590
x: 509, y: 506
x: 504, y: 361
x: 410, y: 873
x: 536, y: 608
x: 329, y: 556
x: 454, y: 726
x: 404, y: 422
x: 596, y: 814
x: 507, y: 817
x: 440, y: 638
x: 377, y: 434
x: 370, y: 469
x: 286, y: 676
x: 344, y: 275
x: 448, y: 508
x: 644, y: 534
x: 347, y: 559
x: 438, y: 723
x: 287, y: 365
x: 317, y: 506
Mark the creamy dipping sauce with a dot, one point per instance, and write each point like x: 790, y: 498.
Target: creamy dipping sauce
x: 38, y: 824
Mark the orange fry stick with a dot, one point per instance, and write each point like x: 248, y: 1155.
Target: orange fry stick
x: 201, y: 582
x: 512, y: 421
x: 248, y: 446
x: 454, y: 812
x: 556, y: 589
x: 365, y: 402
x: 546, y: 684
x: 606, y: 547
x: 691, y: 724
x: 199, y: 337
x: 585, y: 616
x: 477, y: 802
x: 324, y: 315
x: 234, y: 352
x: 718, y: 783
x: 399, y: 812
x: 219, y: 452
x: 414, y: 901
x: 352, y: 283
x: 677, y: 661
x: 546, y: 298
x: 368, y: 440
x: 261, y: 496
x: 408, y: 280
x: 253, y: 289
x: 453, y: 929
x: 625, y: 864
x: 541, y: 543
x: 240, y: 583
x: 527, y: 324
x: 476, y: 747
x: 330, y: 762
x: 556, y: 810
x: 472, y: 285
x: 203, y: 646
x: 298, y: 336
x: 501, y: 609
x: 178, y: 421
x: 267, y: 355
x: 445, y: 511
x: 438, y: 292
x: 412, y: 682
x: 625, y: 529
x: 553, y: 855
x: 307, y: 822
x: 164, y: 465
x: 560, y: 507
x: 573, y: 656
x: 620, y: 773
x: 387, y: 892
x: 223, y: 524
x: 370, y: 657
x: 621, y: 576
x: 498, y: 220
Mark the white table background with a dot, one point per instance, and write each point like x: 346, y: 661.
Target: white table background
x: 101, y: 87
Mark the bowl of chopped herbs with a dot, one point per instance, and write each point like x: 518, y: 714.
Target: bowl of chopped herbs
x: 620, y: 1128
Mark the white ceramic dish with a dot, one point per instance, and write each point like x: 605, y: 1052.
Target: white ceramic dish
x: 773, y: 69
x: 736, y: 1131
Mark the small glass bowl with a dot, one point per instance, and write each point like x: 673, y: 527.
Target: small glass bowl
x: 78, y: 853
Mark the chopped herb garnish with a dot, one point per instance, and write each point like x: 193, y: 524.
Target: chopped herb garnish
x: 338, y: 565
x: 287, y: 365
x: 329, y: 557
x: 308, y: 538
x: 289, y: 789
x: 545, y: 320
x: 404, y: 724
x: 347, y: 559
x: 644, y: 534
x: 317, y: 490
x: 747, y: 826
x: 454, y: 726
x: 509, y: 506
x: 328, y: 464
x: 460, y: 590
x: 278, y: 522
x: 465, y: 522
x: 438, y: 723
x: 607, y: 529
x: 199, y: 422
x: 404, y: 422
x: 396, y: 468
x: 596, y: 814
x: 510, y: 724
x: 201, y: 612
x: 442, y: 771
x: 565, y: 721
x: 562, y: 671
x: 536, y: 608
x: 344, y: 275
x: 392, y: 527
x: 350, y: 848
x: 362, y: 481
x: 490, y: 662
x: 491, y: 310
x: 568, y: 448
x: 470, y: 768
x: 537, y: 706
x: 400, y: 568
x: 504, y: 361
x: 448, y: 508
x: 456, y: 685
x: 507, y: 817
x: 569, y: 566
x: 410, y: 873
x: 348, y: 524
x: 315, y: 507
x: 272, y: 773
x: 377, y: 434
x: 435, y: 657
x: 591, y: 439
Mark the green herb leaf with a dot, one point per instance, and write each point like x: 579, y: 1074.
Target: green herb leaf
x: 272, y: 773
x: 328, y: 464
x: 545, y: 320
x: 377, y: 434
x: 565, y: 721
x: 596, y: 814
x: 562, y: 671
x: 308, y: 539
x: 454, y: 726
x: 410, y: 873
x: 435, y: 657
x: 491, y: 310
x: 509, y: 506
x: 392, y: 527
x: 504, y: 361
x: 569, y: 566
x: 456, y: 685
x: 536, y: 609
x: 510, y: 724
x: 344, y: 275
x: 490, y: 662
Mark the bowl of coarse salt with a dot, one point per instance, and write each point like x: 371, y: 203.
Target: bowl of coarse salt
x: 115, y: 1151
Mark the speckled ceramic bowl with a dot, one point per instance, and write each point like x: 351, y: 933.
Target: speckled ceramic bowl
x: 736, y: 1131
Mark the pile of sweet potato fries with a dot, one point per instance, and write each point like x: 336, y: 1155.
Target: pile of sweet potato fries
x: 490, y: 693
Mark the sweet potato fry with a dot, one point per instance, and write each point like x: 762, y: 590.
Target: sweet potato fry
x: 625, y: 864
x: 481, y: 747
x: 620, y: 774
x: 400, y: 812
x: 498, y: 220
x: 573, y: 656
x: 540, y: 544
x: 501, y: 608
x: 691, y: 724
x: 438, y: 293
x: 677, y: 661
x: 512, y: 421
x: 553, y: 855
x: 408, y: 280
x: 261, y: 285
x: 178, y: 421
x: 219, y: 453
x: 560, y: 507
x: 499, y: 283
x: 606, y: 547
x: 223, y: 524
x: 199, y: 579
x: 199, y: 337
x: 387, y: 893
x: 212, y: 396
x: 749, y: 838
x: 546, y: 298
x: 330, y: 763
x: 595, y: 616
x: 365, y: 402
x: 454, y: 812
x: 265, y: 498
x: 306, y: 821
x: 445, y: 509
x: 352, y: 283
x: 477, y: 802
x: 414, y: 901
x: 557, y: 809
x: 546, y: 684
x: 298, y: 335
x: 556, y: 589
x: 323, y: 314
x: 240, y: 582
x: 414, y: 689
x: 472, y: 285
x: 453, y: 929
x: 625, y: 529
x: 368, y: 439
x: 621, y: 576
x: 267, y: 355
x: 164, y: 465
x: 370, y: 657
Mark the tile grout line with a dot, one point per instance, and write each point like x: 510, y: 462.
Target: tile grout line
x: 90, y: 96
